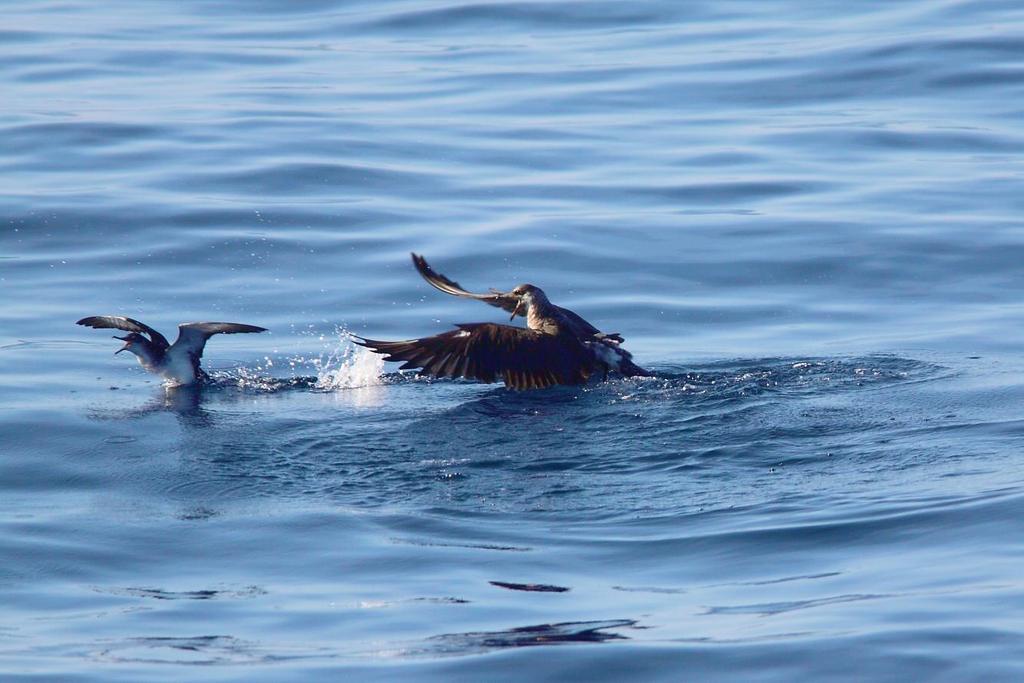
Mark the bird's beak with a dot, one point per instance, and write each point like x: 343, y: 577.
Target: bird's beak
x: 516, y: 311
x: 126, y: 344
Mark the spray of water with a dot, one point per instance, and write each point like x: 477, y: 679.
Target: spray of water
x: 341, y: 365
x: 348, y: 366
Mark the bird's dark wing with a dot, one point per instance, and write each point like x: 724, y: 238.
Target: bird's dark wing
x: 117, y: 322
x: 584, y: 329
x: 494, y: 297
x: 192, y: 336
x: 523, y: 358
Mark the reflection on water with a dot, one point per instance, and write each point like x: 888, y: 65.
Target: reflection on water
x: 185, y: 402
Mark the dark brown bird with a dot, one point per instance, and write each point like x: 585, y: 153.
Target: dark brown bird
x: 556, y: 347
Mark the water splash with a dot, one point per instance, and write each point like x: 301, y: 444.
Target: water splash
x: 348, y: 366
x: 340, y: 365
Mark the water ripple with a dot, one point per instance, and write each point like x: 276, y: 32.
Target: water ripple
x: 805, y: 217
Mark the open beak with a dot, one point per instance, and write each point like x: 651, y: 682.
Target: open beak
x: 516, y: 311
x: 126, y: 344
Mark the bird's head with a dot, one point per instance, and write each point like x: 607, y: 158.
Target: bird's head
x: 134, y: 342
x: 528, y: 296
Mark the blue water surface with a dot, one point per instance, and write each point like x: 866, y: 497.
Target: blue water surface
x: 806, y: 218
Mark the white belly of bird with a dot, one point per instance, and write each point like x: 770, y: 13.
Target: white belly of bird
x: 609, y: 355
x: 178, y: 370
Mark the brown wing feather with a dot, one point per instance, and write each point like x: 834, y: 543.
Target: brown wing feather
x: 522, y: 358
x: 449, y: 286
x: 118, y: 322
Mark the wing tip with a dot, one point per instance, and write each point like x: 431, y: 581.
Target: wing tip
x: 421, y: 265
x: 250, y: 329
x: 372, y: 344
x: 239, y: 328
x: 97, y: 321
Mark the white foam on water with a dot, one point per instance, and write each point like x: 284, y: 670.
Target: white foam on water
x: 348, y: 366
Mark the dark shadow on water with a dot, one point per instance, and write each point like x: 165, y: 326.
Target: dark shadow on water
x: 208, y: 650
x: 201, y: 594
x: 562, y: 633
x: 703, y: 407
x: 530, y: 587
x: 708, y: 433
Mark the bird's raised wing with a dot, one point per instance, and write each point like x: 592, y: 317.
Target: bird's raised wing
x: 523, y: 358
x: 494, y: 297
x: 117, y: 322
x: 192, y: 336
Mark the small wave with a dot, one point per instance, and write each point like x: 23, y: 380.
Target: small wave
x: 789, y: 376
x: 191, y: 651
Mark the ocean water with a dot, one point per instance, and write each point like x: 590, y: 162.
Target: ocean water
x: 805, y: 218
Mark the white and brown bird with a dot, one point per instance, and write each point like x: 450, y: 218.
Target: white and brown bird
x: 557, y: 346
x: 178, y: 363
